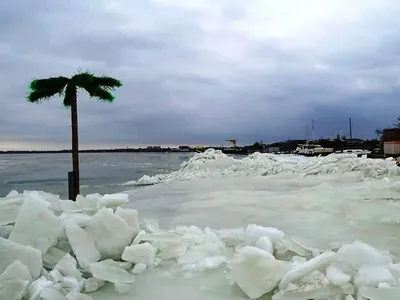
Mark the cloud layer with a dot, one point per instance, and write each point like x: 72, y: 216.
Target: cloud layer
x: 201, y: 71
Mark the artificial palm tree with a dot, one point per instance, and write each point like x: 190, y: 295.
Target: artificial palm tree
x: 97, y: 87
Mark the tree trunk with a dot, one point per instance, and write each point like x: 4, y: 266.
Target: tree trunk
x: 75, y: 151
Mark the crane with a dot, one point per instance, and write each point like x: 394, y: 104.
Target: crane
x: 233, y: 141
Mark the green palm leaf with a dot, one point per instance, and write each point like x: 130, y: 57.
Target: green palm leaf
x: 53, y: 83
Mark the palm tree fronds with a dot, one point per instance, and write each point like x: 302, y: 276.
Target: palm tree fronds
x: 36, y: 96
x: 70, y: 93
x: 108, y: 83
x: 83, y: 79
x: 52, y: 83
x: 100, y: 93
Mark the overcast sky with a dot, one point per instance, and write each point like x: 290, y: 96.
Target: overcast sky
x: 201, y: 71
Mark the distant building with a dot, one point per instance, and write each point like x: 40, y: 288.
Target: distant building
x: 391, y: 141
x: 272, y: 149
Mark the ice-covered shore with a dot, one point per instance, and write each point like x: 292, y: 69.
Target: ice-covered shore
x: 213, y: 163
x: 59, y: 249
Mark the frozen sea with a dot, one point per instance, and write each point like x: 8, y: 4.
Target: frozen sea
x: 321, y: 202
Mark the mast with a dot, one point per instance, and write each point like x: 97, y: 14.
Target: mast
x: 351, y: 134
x: 313, y: 130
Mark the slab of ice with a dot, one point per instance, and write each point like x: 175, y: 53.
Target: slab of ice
x: 373, y: 275
x: 122, y: 288
x: 9, y: 210
x: 394, y: 269
x: 88, y: 203
x: 113, y: 200
x: 52, y: 293
x: 82, y: 244
x: 141, y: 253
x: 131, y: 216
x: 380, y: 293
x: 13, y: 289
x: 30, y: 257
x: 12, y: 194
x: 108, y: 270
x: 67, y: 266
x: 110, y: 233
x: 139, y: 268
x: 55, y: 275
x: 254, y: 232
x: 349, y: 297
x: 304, y: 269
x: 92, y: 284
x: 265, y: 243
x: 5, y: 231
x: 358, y: 254
x: 255, y: 272
x: 336, y: 276
x: 52, y: 257
x: 36, y: 226
x: 76, y: 218
x: 36, y: 287
x: 71, y: 284
x: 325, y: 292
x: 232, y: 237
x: 16, y: 271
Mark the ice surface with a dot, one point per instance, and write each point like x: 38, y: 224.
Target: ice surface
x: 359, y: 254
x: 52, y: 293
x: 373, y: 275
x: 13, y: 289
x: 108, y: 270
x: 82, y: 244
x: 5, y: 231
x: 255, y: 272
x: 380, y: 293
x: 16, y: 271
x: 78, y: 296
x: 75, y: 218
x: 131, y: 216
x: 336, y: 276
x: 306, y: 268
x: 139, y: 268
x: 30, y: 257
x: 110, y: 233
x: 9, y: 209
x: 141, y: 253
x: 122, y: 288
x: 113, y: 200
x: 67, y: 266
x: 36, y: 226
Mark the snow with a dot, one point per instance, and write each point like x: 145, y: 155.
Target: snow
x: 82, y: 245
x: 110, y: 233
x: 331, y: 236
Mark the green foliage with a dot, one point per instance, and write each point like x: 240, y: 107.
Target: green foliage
x: 96, y: 87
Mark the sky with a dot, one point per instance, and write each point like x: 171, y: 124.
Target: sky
x: 201, y: 71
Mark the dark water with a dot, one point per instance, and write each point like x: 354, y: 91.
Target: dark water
x: 100, y: 172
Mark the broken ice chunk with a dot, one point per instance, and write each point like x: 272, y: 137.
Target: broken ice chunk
x: 130, y: 216
x: 55, y: 275
x: 325, y: 292
x: 304, y: 269
x: 28, y: 256
x: 88, y: 203
x: 121, y: 288
x: 113, y: 200
x: 110, y: 233
x: 12, y: 194
x: 51, y: 293
x: 336, y: 276
x: 71, y: 284
x: 108, y: 270
x: 52, y: 257
x: 36, y: 226
x: 373, y: 275
x: 142, y: 253
x: 78, y: 296
x: 124, y: 264
x: 265, y: 243
x: 36, y: 287
x: 9, y: 210
x: 16, y: 271
x: 13, y: 289
x: 92, y: 284
x: 82, y: 245
x: 76, y: 218
x: 5, y: 231
x: 255, y: 272
x: 357, y: 254
x: 139, y: 268
x: 67, y: 266
x: 349, y: 297
x: 254, y: 232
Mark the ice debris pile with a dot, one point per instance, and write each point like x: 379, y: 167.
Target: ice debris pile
x: 214, y: 163
x: 63, y: 250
